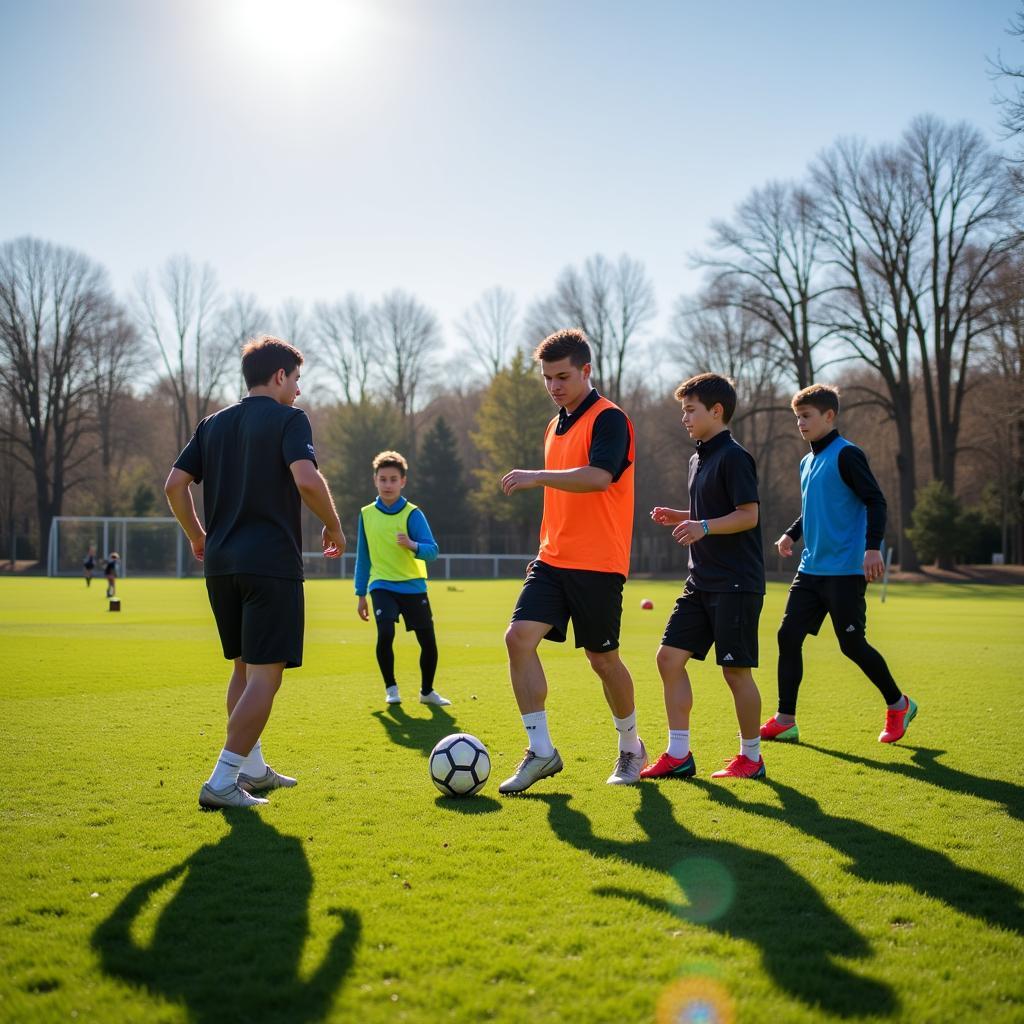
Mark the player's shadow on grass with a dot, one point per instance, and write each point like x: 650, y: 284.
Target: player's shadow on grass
x: 416, y: 733
x: 772, y: 906
x: 928, y: 768
x: 228, y: 942
x: 888, y: 859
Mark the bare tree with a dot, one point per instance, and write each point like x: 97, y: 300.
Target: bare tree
x: 969, y: 205
x: 114, y: 351
x: 768, y: 262
x: 240, y: 318
x: 490, y: 327
x: 869, y: 214
x: 610, y: 302
x: 182, y: 324
x: 293, y: 324
x: 344, y: 333
x: 1011, y: 74
x: 51, y: 301
x: 408, y: 335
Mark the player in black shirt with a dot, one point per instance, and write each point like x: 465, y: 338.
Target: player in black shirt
x: 257, y: 464
x: 721, y: 602
x: 110, y: 571
x: 89, y: 565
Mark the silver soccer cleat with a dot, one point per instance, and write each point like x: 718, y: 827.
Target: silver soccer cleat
x: 211, y: 799
x: 434, y: 698
x: 532, y: 769
x: 268, y: 780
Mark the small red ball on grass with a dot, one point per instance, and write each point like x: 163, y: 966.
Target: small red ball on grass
x: 647, y: 604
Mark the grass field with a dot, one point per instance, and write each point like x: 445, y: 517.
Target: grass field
x: 860, y: 882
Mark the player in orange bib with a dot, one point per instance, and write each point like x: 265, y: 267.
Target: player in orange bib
x: 583, y: 559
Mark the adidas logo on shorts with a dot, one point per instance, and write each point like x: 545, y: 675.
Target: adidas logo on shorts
x: 851, y: 629
x: 728, y: 657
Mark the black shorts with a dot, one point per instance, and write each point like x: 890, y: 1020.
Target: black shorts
x: 729, y: 621
x: 592, y: 600
x: 811, y: 598
x: 260, y: 618
x: 414, y: 608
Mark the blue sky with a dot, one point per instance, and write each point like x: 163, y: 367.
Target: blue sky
x: 307, y: 148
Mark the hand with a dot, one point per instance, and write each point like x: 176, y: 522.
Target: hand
x: 363, y: 609
x: 333, y: 541
x: 667, y: 516
x: 404, y: 541
x: 199, y: 547
x: 519, y: 480
x: 874, y: 567
x: 785, y: 545
x: 688, y: 532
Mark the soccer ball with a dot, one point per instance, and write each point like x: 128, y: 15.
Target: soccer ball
x: 459, y: 765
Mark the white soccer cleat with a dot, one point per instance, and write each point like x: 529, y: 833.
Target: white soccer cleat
x: 211, y: 799
x: 628, y: 767
x: 530, y: 770
x: 434, y: 698
x: 393, y: 696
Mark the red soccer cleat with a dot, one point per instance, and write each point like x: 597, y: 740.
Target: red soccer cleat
x: 896, y: 723
x: 776, y: 730
x: 741, y: 767
x: 668, y: 766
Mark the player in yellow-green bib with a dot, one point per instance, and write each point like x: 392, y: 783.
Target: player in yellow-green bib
x: 393, y: 546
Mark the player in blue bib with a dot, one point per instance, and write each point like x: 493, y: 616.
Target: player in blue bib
x: 842, y: 522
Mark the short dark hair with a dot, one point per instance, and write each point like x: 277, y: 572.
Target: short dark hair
x: 390, y: 460
x: 262, y: 357
x: 818, y: 396
x: 570, y: 343
x: 710, y: 389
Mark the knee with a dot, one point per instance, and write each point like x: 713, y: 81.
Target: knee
x: 671, y: 660
x: 790, y: 639
x: 853, y: 645
x: 518, y: 641
x: 738, y: 678
x: 605, y: 665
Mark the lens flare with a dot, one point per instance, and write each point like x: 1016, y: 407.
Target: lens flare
x: 695, y: 1001
x: 708, y: 886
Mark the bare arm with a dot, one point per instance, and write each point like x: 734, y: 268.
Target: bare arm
x: 744, y: 517
x: 179, y: 497
x: 669, y: 516
x: 583, y: 480
x: 316, y: 495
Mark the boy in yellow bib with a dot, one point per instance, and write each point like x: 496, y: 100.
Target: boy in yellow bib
x: 393, y: 546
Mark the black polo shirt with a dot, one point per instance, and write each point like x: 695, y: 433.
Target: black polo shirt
x: 609, y: 440
x: 723, y: 475
x: 251, y: 504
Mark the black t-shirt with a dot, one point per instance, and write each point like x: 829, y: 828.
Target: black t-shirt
x: 252, y: 506
x: 723, y: 475
x: 609, y: 440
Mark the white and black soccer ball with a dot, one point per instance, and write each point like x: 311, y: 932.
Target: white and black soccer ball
x: 459, y: 765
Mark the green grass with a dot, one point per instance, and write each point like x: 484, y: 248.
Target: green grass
x: 860, y: 882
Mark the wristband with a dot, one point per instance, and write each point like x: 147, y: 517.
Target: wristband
x: 704, y: 523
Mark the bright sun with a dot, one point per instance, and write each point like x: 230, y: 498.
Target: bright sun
x: 295, y: 36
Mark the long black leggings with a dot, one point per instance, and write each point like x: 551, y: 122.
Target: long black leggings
x: 853, y: 645
x: 386, y: 654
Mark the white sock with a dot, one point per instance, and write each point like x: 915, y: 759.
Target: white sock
x: 536, y: 724
x: 254, y: 764
x: 629, y: 742
x: 678, y: 743
x: 225, y: 771
x: 751, y: 748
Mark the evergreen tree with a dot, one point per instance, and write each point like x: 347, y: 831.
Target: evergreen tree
x: 437, y: 483
x: 935, y: 532
x: 510, y: 435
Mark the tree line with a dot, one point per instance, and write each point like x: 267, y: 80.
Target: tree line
x: 894, y: 270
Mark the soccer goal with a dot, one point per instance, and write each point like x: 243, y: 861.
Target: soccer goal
x: 147, y: 545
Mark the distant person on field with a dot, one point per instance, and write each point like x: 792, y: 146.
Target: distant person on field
x: 583, y: 561
x: 393, y: 546
x: 110, y: 571
x: 842, y: 523
x: 257, y: 465
x: 89, y: 564
x: 721, y: 601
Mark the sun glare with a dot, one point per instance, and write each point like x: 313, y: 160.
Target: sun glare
x: 298, y: 37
